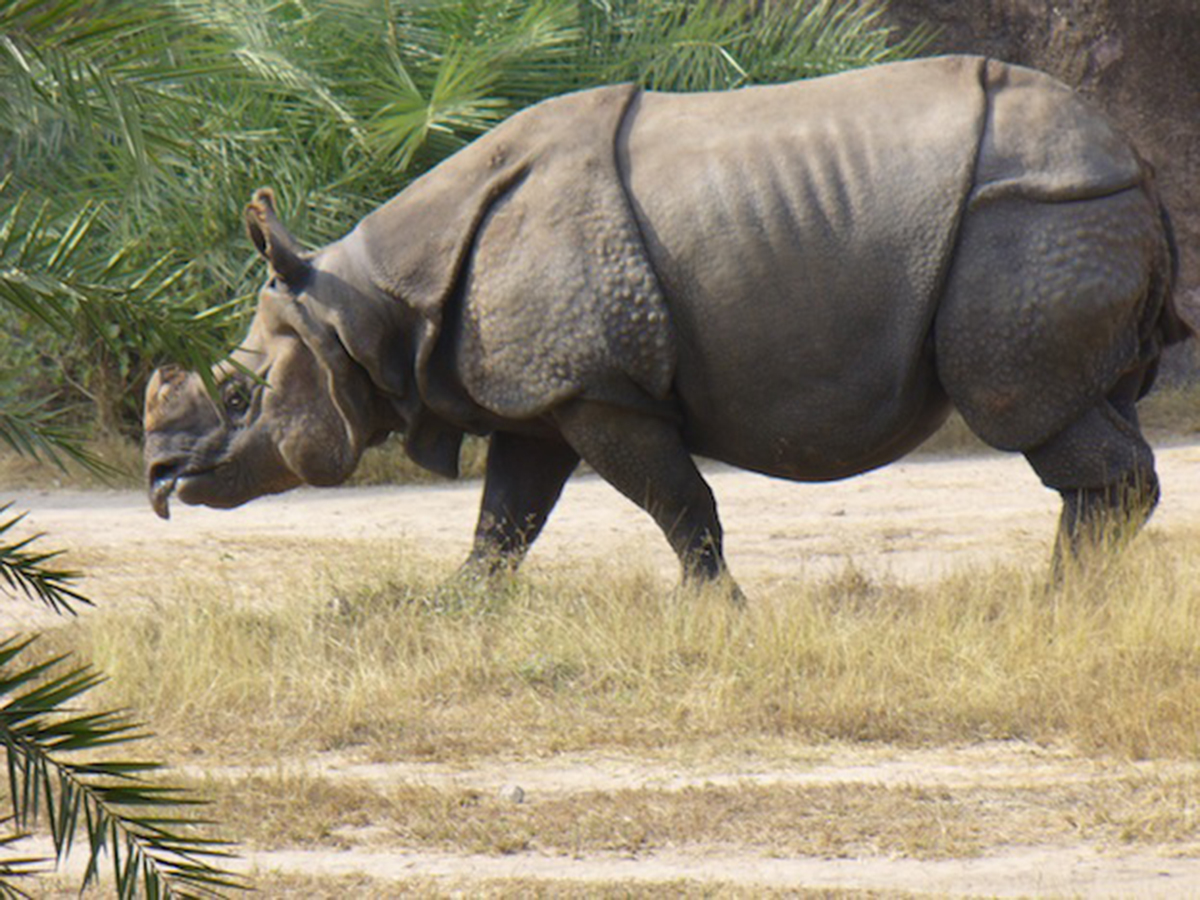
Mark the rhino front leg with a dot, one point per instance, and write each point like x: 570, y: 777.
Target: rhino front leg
x: 644, y: 457
x: 523, y: 481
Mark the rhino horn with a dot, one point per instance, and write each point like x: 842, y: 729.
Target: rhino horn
x: 274, y: 241
x: 160, y: 396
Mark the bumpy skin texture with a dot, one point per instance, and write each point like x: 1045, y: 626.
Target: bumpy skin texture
x: 799, y: 280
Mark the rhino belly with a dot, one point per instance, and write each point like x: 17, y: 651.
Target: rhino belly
x: 796, y: 411
x: 804, y: 368
x: 801, y: 234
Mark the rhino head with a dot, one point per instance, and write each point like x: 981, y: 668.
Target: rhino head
x: 291, y: 406
x: 470, y: 301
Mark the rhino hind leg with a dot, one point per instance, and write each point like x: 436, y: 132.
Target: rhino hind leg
x: 1047, y: 335
x: 644, y: 457
x: 1047, y: 306
x: 1104, y: 470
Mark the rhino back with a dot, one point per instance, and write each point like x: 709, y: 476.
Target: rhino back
x: 801, y: 234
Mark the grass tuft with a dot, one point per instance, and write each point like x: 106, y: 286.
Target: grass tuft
x: 390, y: 656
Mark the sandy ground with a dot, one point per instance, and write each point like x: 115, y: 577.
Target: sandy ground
x: 916, y: 520
x: 913, y: 521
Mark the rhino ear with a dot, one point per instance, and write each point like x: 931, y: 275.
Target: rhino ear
x: 274, y: 241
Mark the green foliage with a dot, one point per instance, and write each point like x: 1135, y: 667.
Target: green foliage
x: 35, y: 430
x: 93, y: 112
x: 135, y: 130
x: 92, y: 116
x: 715, y: 45
x: 65, y: 298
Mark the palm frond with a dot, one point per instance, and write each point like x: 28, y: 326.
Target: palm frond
x: 38, y: 430
x: 49, y: 270
x: 29, y: 573
x: 452, y: 70
x: 822, y: 37
x: 111, y: 802
x: 456, y: 108
x: 715, y: 45
x: 78, y: 67
x: 673, y: 45
x: 531, y: 48
x: 259, y: 37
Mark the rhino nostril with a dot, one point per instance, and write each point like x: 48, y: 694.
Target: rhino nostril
x: 163, y: 471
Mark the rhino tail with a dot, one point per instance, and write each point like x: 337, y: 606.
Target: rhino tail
x: 1161, y: 324
x: 1171, y: 326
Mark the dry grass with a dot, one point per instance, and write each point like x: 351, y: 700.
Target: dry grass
x: 119, y: 453
x: 389, y: 464
x: 953, y: 439
x: 830, y: 821
x: 288, y: 888
x: 275, y: 886
x: 247, y: 658
x: 385, y: 464
x: 381, y: 654
x: 1169, y: 414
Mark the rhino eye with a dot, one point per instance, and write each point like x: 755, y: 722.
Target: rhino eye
x: 236, y: 397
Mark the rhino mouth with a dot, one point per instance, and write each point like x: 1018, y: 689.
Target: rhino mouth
x: 165, y: 478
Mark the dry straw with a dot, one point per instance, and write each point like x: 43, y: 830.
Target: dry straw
x: 384, y: 652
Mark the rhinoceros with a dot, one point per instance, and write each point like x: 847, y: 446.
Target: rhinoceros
x: 800, y: 280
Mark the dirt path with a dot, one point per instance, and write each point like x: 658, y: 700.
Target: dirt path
x: 1019, y: 780
x: 1007, y: 775
x: 913, y: 521
x: 1019, y: 872
x: 1009, y: 772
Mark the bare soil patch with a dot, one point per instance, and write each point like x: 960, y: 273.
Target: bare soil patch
x: 990, y: 819
x: 914, y: 521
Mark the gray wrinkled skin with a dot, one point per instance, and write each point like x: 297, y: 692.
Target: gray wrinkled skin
x: 800, y: 280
